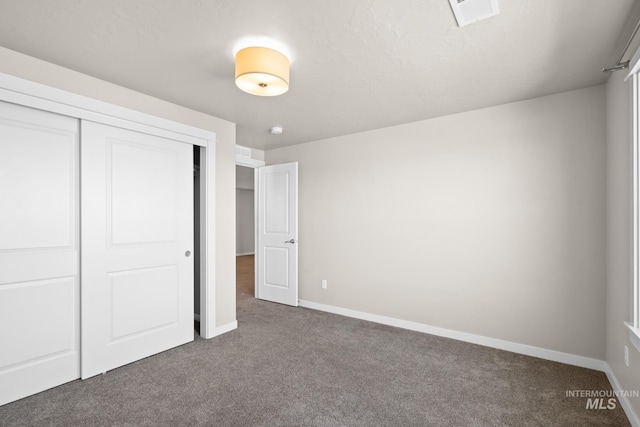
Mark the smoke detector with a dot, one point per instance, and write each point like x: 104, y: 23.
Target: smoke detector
x: 470, y: 11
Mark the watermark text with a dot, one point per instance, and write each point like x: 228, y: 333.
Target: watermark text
x: 602, y: 399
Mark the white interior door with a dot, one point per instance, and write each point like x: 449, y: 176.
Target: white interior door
x: 277, y: 246
x: 38, y: 251
x: 137, y: 244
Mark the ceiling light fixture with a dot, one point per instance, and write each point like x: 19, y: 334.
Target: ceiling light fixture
x: 262, y: 71
x: 276, y: 130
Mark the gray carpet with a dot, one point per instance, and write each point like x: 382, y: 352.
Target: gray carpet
x: 297, y: 367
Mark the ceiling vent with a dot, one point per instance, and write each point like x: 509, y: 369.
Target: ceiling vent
x: 243, y: 151
x: 470, y: 11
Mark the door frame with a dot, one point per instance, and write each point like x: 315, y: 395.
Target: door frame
x: 242, y: 159
x: 36, y: 95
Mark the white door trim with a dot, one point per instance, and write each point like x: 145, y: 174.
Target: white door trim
x: 36, y: 95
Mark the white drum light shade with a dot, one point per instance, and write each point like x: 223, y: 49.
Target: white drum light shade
x: 262, y: 71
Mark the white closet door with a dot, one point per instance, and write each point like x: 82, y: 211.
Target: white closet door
x: 38, y: 251
x: 137, y: 244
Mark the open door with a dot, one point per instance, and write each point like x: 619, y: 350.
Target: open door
x: 277, y: 232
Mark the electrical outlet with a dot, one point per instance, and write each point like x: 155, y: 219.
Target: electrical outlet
x: 324, y: 284
x: 626, y: 356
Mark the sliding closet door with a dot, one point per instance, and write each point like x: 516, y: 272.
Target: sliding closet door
x: 38, y: 251
x: 137, y: 245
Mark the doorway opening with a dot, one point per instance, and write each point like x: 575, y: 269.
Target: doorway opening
x: 196, y: 239
x: 199, y: 238
x: 245, y: 232
x: 275, y: 228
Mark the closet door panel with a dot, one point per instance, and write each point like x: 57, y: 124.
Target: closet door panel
x: 39, y: 289
x: 137, y: 240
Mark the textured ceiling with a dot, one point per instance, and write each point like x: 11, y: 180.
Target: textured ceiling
x: 356, y: 64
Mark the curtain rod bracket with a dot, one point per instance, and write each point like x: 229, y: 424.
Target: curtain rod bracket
x: 620, y: 66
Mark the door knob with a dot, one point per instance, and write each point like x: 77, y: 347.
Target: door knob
x: 187, y: 254
x: 290, y: 241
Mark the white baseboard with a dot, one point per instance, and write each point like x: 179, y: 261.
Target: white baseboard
x: 624, y: 401
x: 223, y: 329
x: 542, y: 353
x: 246, y: 253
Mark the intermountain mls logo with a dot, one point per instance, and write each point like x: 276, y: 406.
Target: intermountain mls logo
x: 602, y: 399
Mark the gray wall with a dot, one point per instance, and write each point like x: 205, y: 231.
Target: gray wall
x: 244, y: 178
x: 619, y: 235
x: 245, y: 229
x: 490, y: 222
